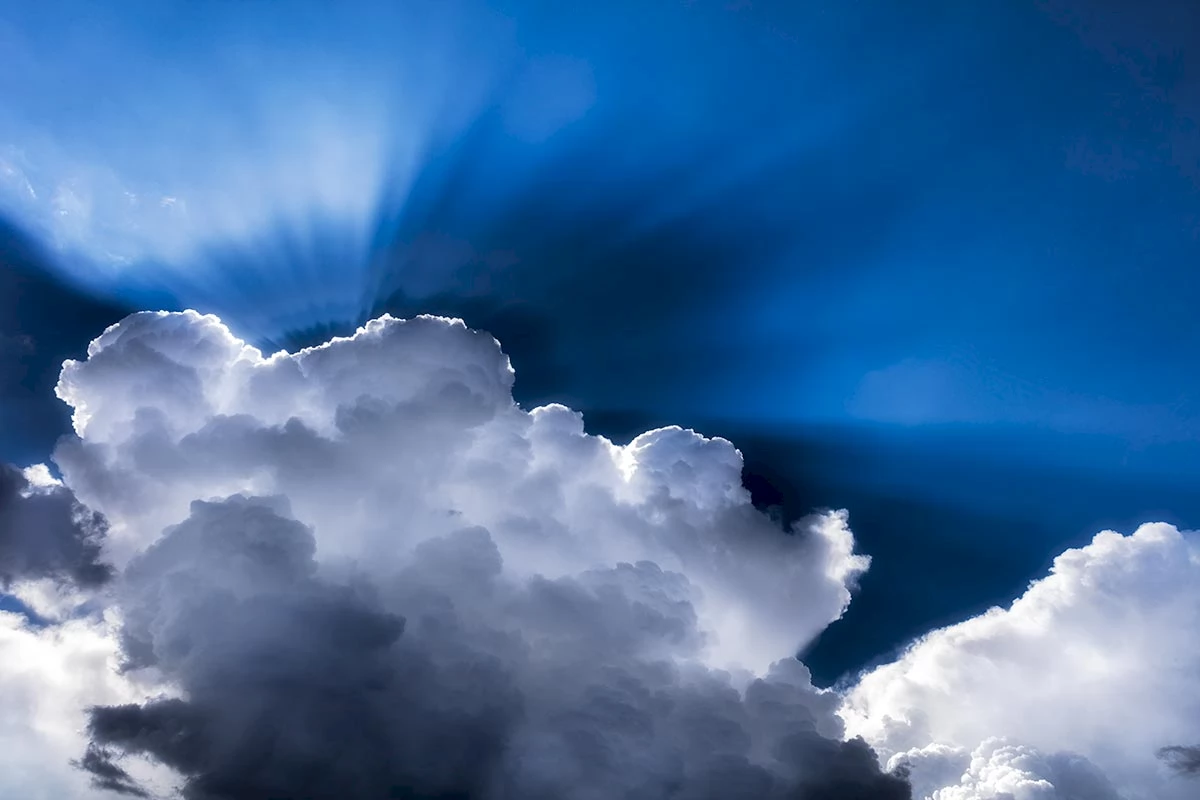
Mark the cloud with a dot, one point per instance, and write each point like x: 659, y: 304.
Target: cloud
x: 362, y: 568
x: 107, y: 774
x: 407, y: 431
x: 574, y: 687
x: 49, y: 675
x: 1181, y: 758
x: 46, y: 533
x: 1091, y: 669
x: 999, y: 770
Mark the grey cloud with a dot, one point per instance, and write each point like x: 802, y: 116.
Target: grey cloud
x: 416, y: 588
x: 450, y: 679
x: 46, y: 533
x: 1183, y: 759
x: 107, y: 774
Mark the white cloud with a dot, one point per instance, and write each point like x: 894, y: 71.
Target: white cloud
x: 625, y: 606
x: 1098, y: 659
x: 408, y: 430
x: 40, y: 478
x: 48, y: 678
x: 376, y: 517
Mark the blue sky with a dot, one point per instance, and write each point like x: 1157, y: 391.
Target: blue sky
x: 954, y: 244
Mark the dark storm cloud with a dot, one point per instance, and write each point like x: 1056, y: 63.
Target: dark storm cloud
x: 107, y: 774
x: 298, y: 685
x: 45, y: 533
x: 1184, y: 760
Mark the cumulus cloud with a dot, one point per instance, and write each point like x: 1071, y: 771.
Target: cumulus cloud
x: 1000, y: 770
x: 299, y: 685
x: 1092, y: 669
x: 407, y: 431
x: 361, y: 570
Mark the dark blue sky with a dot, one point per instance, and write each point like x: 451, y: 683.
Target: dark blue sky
x: 934, y: 262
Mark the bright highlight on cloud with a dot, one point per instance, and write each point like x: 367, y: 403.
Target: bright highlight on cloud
x: 406, y: 432
x: 361, y: 570
x: 1093, y: 670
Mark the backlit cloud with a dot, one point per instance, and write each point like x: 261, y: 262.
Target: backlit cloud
x: 362, y: 569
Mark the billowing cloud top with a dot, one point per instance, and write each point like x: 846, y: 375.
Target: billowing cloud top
x: 361, y: 570
x: 406, y: 432
x: 1094, y: 666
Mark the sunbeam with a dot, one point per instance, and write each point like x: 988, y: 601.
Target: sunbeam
x: 641, y: 399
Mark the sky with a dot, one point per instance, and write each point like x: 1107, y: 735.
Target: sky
x: 931, y: 265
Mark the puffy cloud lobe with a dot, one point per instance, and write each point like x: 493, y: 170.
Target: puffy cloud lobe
x: 46, y: 533
x: 367, y: 571
x: 1092, y: 668
x: 297, y: 685
x: 408, y: 430
x: 998, y: 770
